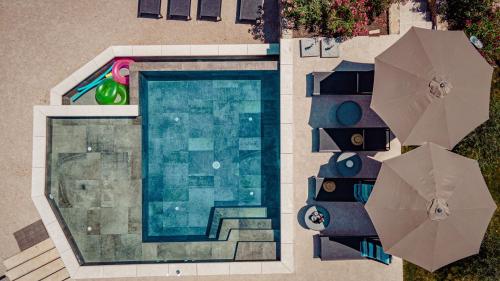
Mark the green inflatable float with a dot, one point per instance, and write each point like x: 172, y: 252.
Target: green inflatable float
x: 111, y: 92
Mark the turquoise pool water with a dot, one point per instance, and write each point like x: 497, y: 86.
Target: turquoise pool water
x: 210, y: 143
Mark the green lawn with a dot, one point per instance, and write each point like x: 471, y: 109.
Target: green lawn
x: 483, y: 145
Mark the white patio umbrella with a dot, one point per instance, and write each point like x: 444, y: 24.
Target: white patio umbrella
x: 432, y: 86
x: 430, y: 206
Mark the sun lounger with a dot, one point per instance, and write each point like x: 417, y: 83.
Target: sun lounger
x: 179, y: 9
x: 343, y: 188
x: 250, y: 10
x: 347, y: 219
x: 210, y: 9
x: 362, y: 192
x: 149, y: 9
x: 353, y: 139
x: 343, y: 82
x: 373, y: 250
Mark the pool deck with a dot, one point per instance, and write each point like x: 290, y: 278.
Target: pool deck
x: 54, y: 36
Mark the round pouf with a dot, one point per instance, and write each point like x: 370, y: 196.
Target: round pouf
x: 329, y: 186
x: 349, y: 113
x: 312, y: 213
x: 348, y: 164
x: 357, y: 139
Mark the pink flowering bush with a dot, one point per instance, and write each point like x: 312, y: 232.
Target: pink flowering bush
x: 340, y: 18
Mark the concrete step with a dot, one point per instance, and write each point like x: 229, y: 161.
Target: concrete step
x: 197, y: 251
x: 246, y: 251
x: 32, y: 264
x: 246, y: 223
x: 252, y: 235
x: 233, y: 212
x: 28, y: 254
x: 44, y: 271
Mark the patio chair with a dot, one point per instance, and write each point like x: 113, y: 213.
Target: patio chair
x: 209, y: 9
x: 179, y: 9
x: 373, y: 250
x: 250, y: 10
x: 362, y: 192
x: 149, y: 9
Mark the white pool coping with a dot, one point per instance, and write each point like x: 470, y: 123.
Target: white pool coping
x: 57, y: 109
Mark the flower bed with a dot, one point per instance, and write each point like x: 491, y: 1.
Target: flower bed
x: 334, y: 18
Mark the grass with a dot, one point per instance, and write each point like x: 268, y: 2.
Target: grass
x: 483, y: 145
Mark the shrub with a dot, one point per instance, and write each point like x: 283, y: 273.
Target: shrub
x: 457, y: 12
x: 340, y: 18
x: 488, y: 31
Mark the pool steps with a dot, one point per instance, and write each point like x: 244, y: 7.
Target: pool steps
x: 247, y: 223
x: 233, y: 212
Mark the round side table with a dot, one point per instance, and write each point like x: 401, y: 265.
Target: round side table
x: 311, y: 212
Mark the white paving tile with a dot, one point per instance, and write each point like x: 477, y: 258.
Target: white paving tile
x: 37, y: 182
x: 70, y: 262
x: 286, y: 138
x: 175, y: 50
x: 144, y: 270
x: 219, y: 268
x: 146, y: 50
x: 104, y: 57
x: 89, y: 272
x: 204, y: 50
x: 287, y: 256
x: 286, y: 109
x: 90, y: 110
x: 129, y: 270
x: 287, y: 228
x: 57, y: 235
x: 287, y: 198
x: 39, y: 152
x: 182, y: 269
x: 233, y: 50
x: 245, y: 268
x: 122, y: 51
x: 56, y: 96
x: 286, y: 79
x: 39, y: 123
x: 44, y: 210
x: 63, y: 87
x: 85, y: 71
x: 286, y: 51
x: 286, y: 168
x: 274, y: 267
x: 263, y: 49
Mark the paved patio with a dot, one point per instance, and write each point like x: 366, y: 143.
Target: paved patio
x: 44, y: 41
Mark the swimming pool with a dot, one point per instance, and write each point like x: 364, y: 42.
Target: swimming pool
x: 210, y: 154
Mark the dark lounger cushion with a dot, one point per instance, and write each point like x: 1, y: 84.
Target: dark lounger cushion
x: 179, y: 8
x: 210, y: 9
x: 249, y: 9
x: 149, y: 9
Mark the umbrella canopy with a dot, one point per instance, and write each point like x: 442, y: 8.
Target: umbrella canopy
x: 432, y: 86
x: 430, y: 206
